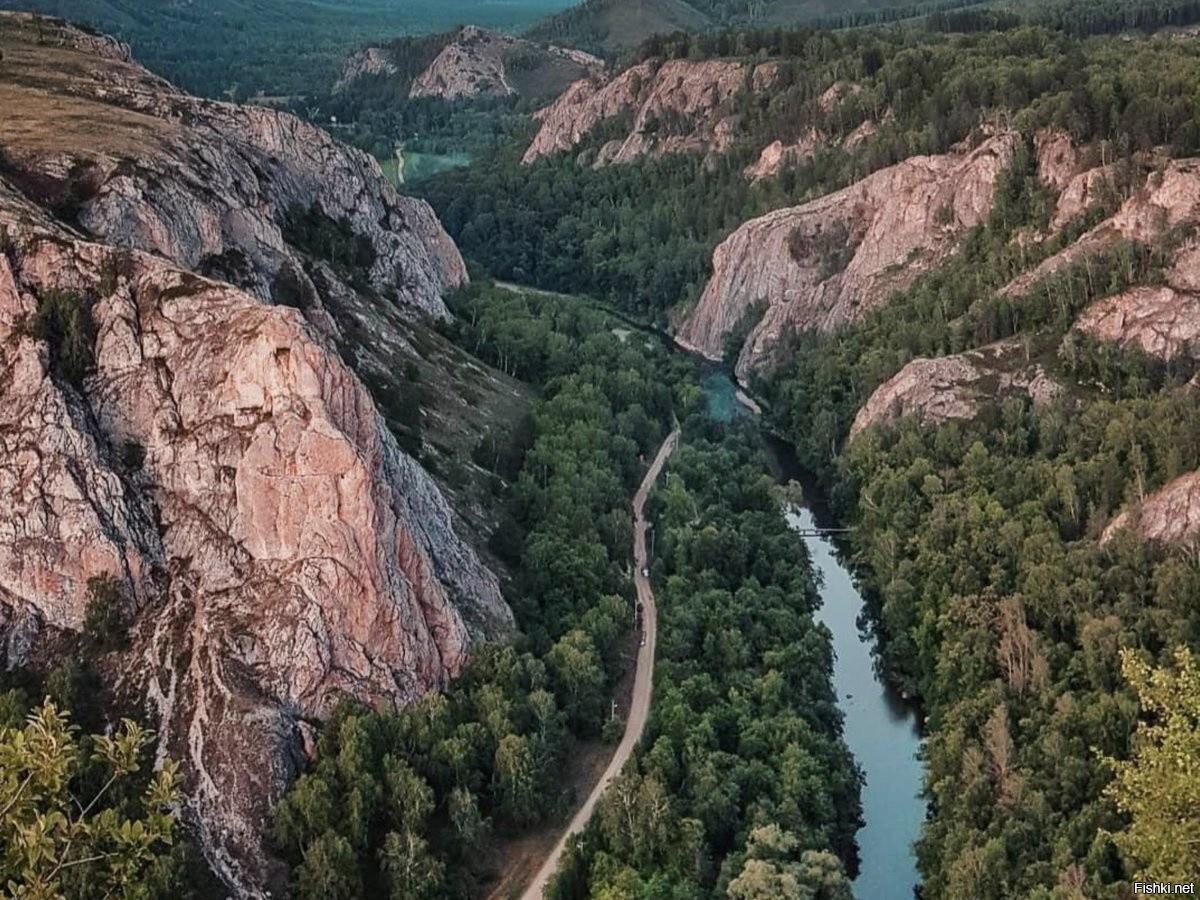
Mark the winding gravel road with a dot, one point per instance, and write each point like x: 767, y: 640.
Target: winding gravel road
x: 643, y: 682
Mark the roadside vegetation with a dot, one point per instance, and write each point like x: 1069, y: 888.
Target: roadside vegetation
x: 407, y: 803
x: 742, y: 786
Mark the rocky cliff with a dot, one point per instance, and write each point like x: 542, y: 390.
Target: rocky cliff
x: 679, y: 106
x: 177, y: 418
x: 829, y: 262
x: 364, y: 63
x: 936, y: 391
x: 1170, y: 514
x: 1162, y: 321
x: 1169, y: 198
x: 778, y: 155
x: 208, y: 185
x: 470, y: 63
x: 479, y: 63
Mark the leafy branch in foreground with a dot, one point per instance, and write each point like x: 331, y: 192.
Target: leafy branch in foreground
x: 1159, y: 788
x: 70, y: 825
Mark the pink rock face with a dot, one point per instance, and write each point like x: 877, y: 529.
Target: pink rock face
x: 1172, y: 514
x: 954, y: 387
x: 295, y: 555
x: 652, y: 93
x: 777, y: 156
x: 860, y: 135
x: 1080, y: 193
x: 1161, y: 321
x: 837, y: 92
x: 1169, y: 198
x: 276, y: 547
x: 472, y: 65
x: 475, y: 64
x: 1057, y: 158
x: 68, y: 518
x: 828, y: 263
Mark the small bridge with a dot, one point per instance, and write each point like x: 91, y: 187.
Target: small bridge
x: 821, y: 532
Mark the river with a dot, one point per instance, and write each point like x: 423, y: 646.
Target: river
x: 881, y: 729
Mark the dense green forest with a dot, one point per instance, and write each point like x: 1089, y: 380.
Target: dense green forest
x: 614, y: 27
x: 742, y: 752
x: 283, y: 49
x: 426, y: 785
x: 642, y: 236
x: 1005, y: 614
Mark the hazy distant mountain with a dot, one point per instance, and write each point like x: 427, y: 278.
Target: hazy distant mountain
x: 607, y: 26
x: 277, y: 47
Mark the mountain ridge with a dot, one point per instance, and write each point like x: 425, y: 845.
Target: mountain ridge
x: 184, y: 422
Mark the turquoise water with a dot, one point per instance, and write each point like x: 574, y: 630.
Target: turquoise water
x: 881, y: 730
x: 720, y: 397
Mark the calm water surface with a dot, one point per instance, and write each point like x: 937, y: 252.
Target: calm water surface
x: 880, y: 728
x: 881, y: 731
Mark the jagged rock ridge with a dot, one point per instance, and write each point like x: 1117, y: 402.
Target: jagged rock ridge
x: 471, y: 63
x: 674, y: 107
x: 364, y: 63
x: 209, y: 185
x: 218, y: 460
x: 939, y: 390
x: 479, y: 63
x: 829, y: 262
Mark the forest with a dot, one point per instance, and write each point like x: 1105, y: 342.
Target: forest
x: 642, y: 236
x: 406, y: 804
x: 743, y: 753
x: 271, y: 50
x: 1056, y: 667
x: 1042, y: 656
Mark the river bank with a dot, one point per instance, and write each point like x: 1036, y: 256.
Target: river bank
x: 881, y: 728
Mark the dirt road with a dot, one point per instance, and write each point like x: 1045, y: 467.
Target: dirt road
x: 643, y: 684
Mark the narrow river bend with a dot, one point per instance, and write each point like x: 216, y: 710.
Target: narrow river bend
x: 881, y: 729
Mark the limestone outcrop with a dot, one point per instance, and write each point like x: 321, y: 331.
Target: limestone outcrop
x: 1162, y: 321
x: 828, y: 263
x: 1170, y: 197
x: 479, y: 63
x: 679, y: 106
x: 370, y: 61
x: 939, y: 390
x: 777, y: 156
x: 470, y: 63
x: 1168, y: 515
x: 202, y: 447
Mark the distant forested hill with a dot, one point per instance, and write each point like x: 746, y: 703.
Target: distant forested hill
x: 610, y: 26
x: 276, y: 47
